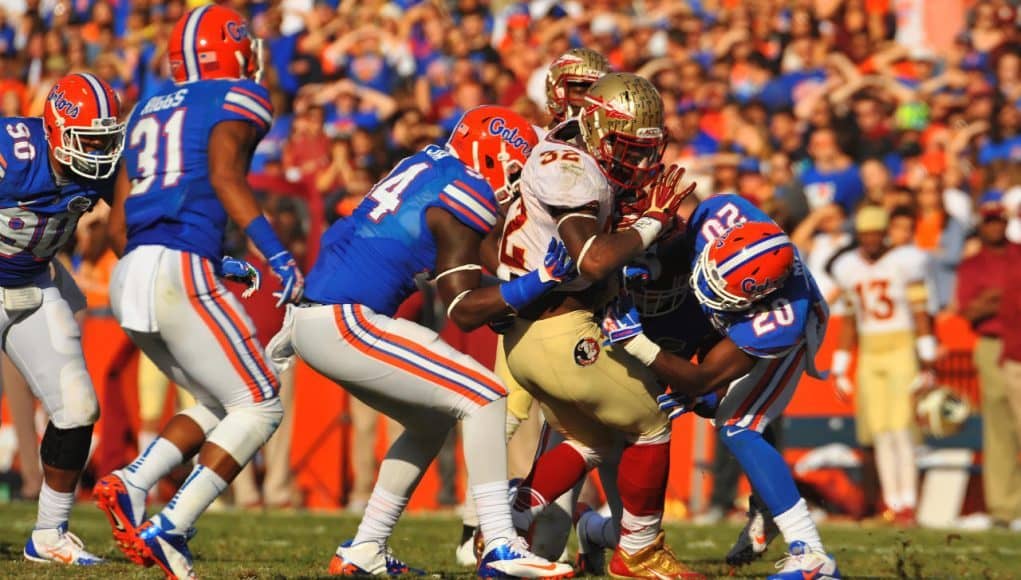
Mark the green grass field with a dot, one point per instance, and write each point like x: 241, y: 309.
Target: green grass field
x: 299, y: 545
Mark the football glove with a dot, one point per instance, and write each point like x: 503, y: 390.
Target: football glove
x: 291, y: 280
x: 238, y: 270
x: 557, y: 268
x: 665, y: 196
x: 675, y: 405
x: 620, y: 320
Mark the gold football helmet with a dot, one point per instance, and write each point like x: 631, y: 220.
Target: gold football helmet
x: 579, y: 66
x: 622, y: 127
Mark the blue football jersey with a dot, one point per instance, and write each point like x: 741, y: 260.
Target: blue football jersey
x: 778, y: 323
x: 372, y: 257
x: 166, y: 156
x: 684, y: 331
x: 38, y: 214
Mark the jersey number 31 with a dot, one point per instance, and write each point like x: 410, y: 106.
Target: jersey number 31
x: 157, y: 141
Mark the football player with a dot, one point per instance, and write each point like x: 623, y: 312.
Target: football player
x: 430, y: 213
x: 52, y: 170
x: 598, y: 398
x: 183, y: 176
x: 754, y: 290
x: 569, y: 77
x: 887, y: 292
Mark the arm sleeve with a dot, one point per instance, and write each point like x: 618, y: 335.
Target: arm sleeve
x: 249, y: 102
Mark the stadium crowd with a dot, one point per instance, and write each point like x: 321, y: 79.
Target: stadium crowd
x: 809, y: 108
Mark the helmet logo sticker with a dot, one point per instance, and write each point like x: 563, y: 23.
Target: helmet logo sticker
x: 498, y: 127
x: 612, y: 110
x: 63, y: 105
x: 237, y: 30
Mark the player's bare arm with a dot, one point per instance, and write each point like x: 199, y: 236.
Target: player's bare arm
x: 459, y: 275
x: 117, y: 228
x: 599, y: 255
x: 724, y: 363
x: 925, y: 340
x: 490, y: 250
x: 232, y: 144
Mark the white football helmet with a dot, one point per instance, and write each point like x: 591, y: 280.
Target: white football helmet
x: 941, y: 412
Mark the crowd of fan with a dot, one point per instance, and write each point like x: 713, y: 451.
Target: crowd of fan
x: 808, y: 107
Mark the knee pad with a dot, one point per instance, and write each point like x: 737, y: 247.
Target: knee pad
x: 66, y: 448
x: 206, y: 418
x: 245, y: 429
x: 78, y: 405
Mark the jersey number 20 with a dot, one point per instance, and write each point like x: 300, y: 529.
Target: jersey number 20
x: 157, y: 141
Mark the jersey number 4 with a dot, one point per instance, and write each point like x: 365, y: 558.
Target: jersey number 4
x: 387, y: 193
x: 157, y: 141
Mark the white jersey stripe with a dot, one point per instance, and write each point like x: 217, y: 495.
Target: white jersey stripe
x: 101, y: 99
x: 190, y: 49
x: 466, y: 199
x: 249, y: 104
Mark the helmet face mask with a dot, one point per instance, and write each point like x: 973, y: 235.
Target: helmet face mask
x: 91, y: 152
x: 622, y: 127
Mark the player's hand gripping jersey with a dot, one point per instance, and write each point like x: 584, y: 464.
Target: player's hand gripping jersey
x: 172, y: 201
x: 558, y: 176
x: 881, y: 292
x: 38, y: 214
x: 794, y: 313
x: 372, y: 257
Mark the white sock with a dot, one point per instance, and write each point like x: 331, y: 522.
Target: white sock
x: 907, y: 470
x: 886, y: 466
x: 493, y: 511
x: 381, y: 515
x: 196, y: 493
x: 54, y: 507
x: 145, y: 439
x: 796, y: 524
x: 152, y: 464
x: 637, y: 532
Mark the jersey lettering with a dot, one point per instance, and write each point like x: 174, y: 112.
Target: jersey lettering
x: 875, y: 300
x: 552, y: 155
x: 726, y: 217
x: 26, y: 231
x: 146, y: 134
x: 22, y: 147
x: 387, y: 194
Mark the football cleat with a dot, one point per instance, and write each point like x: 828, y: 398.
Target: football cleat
x: 58, y: 545
x: 465, y: 554
x: 155, y: 541
x: 512, y: 559
x: 591, y: 558
x: 368, y: 559
x: 654, y: 561
x: 124, y: 515
x: 753, y: 540
x: 803, y: 563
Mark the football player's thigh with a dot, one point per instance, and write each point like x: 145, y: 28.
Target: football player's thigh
x: 158, y: 353
x: 46, y: 347
x: 393, y: 359
x: 870, y: 397
x: 902, y: 371
x: 519, y: 401
x: 758, y: 397
x: 212, y: 339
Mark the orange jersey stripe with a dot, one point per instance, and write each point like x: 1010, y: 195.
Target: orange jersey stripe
x: 349, y: 335
x: 426, y: 353
x: 756, y: 392
x: 207, y: 318
x: 239, y: 323
x: 776, y: 392
x: 235, y: 109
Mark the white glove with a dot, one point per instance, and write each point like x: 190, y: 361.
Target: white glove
x: 845, y: 388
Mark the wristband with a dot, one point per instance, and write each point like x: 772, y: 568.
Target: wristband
x: 642, y: 348
x: 523, y: 290
x: 925, y: 346
x: 263, y: 236
x: 841, y: 362
x: 648, y: 228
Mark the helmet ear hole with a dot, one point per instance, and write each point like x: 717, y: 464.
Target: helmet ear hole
x: 490, y: 162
